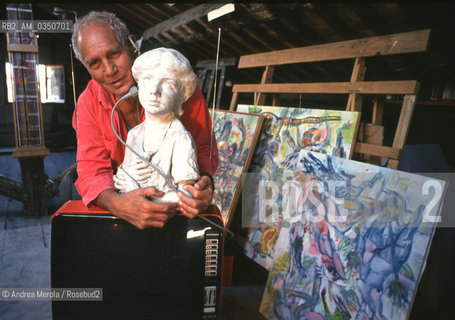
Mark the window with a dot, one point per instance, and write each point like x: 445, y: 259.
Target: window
x: 51, y: 82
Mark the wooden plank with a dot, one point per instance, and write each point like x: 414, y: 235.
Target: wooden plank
x: 358, y: 71
x: 358, y: 74
x: 235, y: 97
x: 379, y: 151
x: 425, y: 102
x: 364, y: 87
x: 404, y: 121
x: 12, y: 189
x: 393, y: 164
x: 275, y: 100
x: 181, y: 19
x: 134, y: 13
x: 414, y: 41
x: 371, y: 133
x: 356, y: 135
x: 16, y: 47
x: 267, y: 76
x: 378, y: 111
x: 160, y: 11
x: 32, y: 151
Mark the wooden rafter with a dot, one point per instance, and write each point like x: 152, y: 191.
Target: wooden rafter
x: 181, y: 19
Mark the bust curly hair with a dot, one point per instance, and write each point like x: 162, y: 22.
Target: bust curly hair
x: 174, y: 62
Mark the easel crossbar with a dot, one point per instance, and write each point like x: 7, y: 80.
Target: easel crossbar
x: 363, y: 87
x: 406, y: 42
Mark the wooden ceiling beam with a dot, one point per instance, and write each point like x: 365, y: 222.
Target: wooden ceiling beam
x: 150, y: 15
x: 227, y: 39
x: 353, y: 20
x: 127, y: 12
x: 393, y: 15
x: 181, y: 19
x: 171, y: 40
x: 316, y: 22
x: 371, y: 18
x: 160, y: 10
x: 333, y: 18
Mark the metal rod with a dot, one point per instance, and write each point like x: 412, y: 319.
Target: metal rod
x: 214, y: 90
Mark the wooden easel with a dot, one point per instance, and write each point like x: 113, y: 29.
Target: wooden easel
x: 370, y: 135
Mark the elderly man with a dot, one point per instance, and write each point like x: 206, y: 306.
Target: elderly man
x: 100, y: 42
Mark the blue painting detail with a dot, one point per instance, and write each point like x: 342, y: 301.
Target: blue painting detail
x: 354, y: 243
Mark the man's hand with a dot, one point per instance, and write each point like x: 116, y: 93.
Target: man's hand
x: 136, y: 208
x: 202, y: 191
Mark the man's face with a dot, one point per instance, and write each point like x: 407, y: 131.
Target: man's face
x: 108, y: 62
x: 159, y: 91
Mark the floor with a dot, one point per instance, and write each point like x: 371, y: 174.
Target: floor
x: 25, y: 242
x: 25, y: 254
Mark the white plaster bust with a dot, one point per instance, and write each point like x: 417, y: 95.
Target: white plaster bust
x: 165, y: 81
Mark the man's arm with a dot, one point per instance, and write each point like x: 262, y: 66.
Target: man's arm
x: 95, y: 158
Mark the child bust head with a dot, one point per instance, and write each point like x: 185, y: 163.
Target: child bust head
x: 165, y: 81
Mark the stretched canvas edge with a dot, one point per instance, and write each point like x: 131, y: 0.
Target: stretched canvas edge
x: 256, y: 135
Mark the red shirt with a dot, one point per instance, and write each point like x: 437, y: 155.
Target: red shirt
x: 99, y: 152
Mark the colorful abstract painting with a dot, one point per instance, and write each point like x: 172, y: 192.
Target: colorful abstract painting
x: 287, y: 131
x: 236, y: 135
x: 353, y: 242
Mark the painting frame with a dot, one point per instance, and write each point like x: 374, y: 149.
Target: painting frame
x: 227, y: 174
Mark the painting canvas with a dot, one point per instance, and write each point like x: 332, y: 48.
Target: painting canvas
x: 320, y: 130
x: 353, y: 243
x: 236, y: 135
x: 287, y: 131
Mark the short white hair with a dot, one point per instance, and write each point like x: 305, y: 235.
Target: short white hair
x: 173, y: 61
x: 120, y: 30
